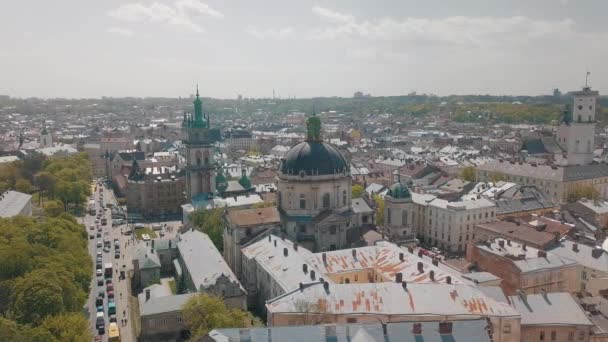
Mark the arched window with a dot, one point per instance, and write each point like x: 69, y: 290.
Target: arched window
x: 206, y: 156
x: 344, y: 197
x: 388, y: 215
x: 588, y: 145
x: 302, y: 201
x: 198, y: 158
x: 326, y: 201
x: 404, y: 217
x: 279, y: 199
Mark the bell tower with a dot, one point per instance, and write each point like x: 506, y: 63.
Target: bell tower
x: 576, y: 131
x: 200, y: 166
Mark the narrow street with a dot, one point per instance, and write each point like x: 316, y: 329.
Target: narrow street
x: 121, y: 286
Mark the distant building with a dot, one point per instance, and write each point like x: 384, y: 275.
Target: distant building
x: 13, y: 203
x: 532, y: 233
x: 160, y: 315
x: 239, y: 139
x: 46, y: 139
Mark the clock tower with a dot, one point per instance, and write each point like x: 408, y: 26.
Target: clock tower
x: 200, y: 166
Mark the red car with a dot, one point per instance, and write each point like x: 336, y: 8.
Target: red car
x: 110, y: 294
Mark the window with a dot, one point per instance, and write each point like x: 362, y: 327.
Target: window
x: 248, y: 232
x: 388, y: 215
x: 344, y: 197
x: 542, y: 336
x: 302, y: 201
x: 351, y: 320
x: 581, y: 336
x: 332, y: 230
x: 506, y: 329
x: 326, y: 201
x: 404, y: 217
x: 356, y: 277
x: 198, y: 158
x: 571, y: 336
x: 332, y: 247
x: 553, y: 336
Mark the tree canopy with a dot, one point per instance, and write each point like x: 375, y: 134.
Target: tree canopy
x: 210, y: 222
x: 583, y: 191
x: 203, y: 313
x: 468, y: 174
x: 357, y: 191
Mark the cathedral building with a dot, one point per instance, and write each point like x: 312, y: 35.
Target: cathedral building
x: 314, y: 193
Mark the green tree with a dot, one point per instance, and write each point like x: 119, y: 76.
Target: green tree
x: 210, y: 222
x: 71, y: 327
x: 36, y: 296
x: 53, y: 208
x: 45, y: 182
x: 203, y: 313
x: 379, y: 210
x: 23, y: 185
x: 357, y: 191
x: 583, y: 191
x: 468, y: 174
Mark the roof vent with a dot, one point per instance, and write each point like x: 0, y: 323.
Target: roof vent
x: 401, y: 257
x: 312, y: 275
x: 285, y: 252
x: 432, y: 275
x: 304, y: 268
x: 326, y: 286
x: 448, y: 280
x: 354, y: 252
x: 420, y: 267
x: 575, y: 247
x: 435, y: 261
x: 398, y: 277
x: 324, y: 256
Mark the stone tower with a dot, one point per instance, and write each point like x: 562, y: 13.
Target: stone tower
x: 576, y: 131
x: 200, y: 166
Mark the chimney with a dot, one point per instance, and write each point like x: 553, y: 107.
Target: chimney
x: 524, y: 247
x: 312, y: 275
x: 435, y: 261
x: 410, y: 250
x: 304, y: 268
x: 285, y: 252
x: 445, y: 328
x: 501, y: 243
x: 152, y: 243
x: 401, y: 257
x: 269, y: 238
x: 169, y: 244
x: 326, y: 286
x: 295, y: 246
x: 398, y: 277
x: 301, y: 287
x: 432, y: 275
x: 597, y: 252
x: 420, y: 253
x: 324, y: 258
x: 575, y: 247
x: 508, y: 242
x: 147, y: 295
x: 275, y: 243
x: 448, y: 280
x: 151, y: 250
x: 420, y: 267
x: 354, y: 252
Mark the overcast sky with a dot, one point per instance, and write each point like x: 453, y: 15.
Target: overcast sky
x: 94, y: 48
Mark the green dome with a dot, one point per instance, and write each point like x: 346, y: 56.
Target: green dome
x: 399, y: 191
x: 245, y: 182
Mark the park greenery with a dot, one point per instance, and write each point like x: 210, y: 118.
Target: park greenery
x: 210, y: 222
x: 203, y: 313
x: 45, y: 267
x: 63, y: 181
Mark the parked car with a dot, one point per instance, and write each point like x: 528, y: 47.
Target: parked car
x: 110, y: 287
x: 108, y: 281
x: 112, y: 318
x: 99, y: 273
x: 98, y: 234
x: 117, y: 255
x: 99, y: 244
x: 110, y: 294
x: 100, y: 308
x: 98, y: 301
x: 91, y: 236
x: 106, y: 249
x: 101, y: 294
x: 98, y: 266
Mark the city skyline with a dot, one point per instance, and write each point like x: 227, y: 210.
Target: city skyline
x: 303, y: 49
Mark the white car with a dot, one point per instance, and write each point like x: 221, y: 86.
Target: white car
x: 99, y: 273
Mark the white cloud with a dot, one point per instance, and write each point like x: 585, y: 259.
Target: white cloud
x: 178, y: 15
x: 456, y: 30
x: 269, y: 33
x: 121, y: 31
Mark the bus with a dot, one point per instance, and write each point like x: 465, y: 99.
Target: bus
x: 92, y: 207
x: 113, y: 332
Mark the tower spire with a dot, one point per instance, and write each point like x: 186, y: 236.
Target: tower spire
x: 198, y: 110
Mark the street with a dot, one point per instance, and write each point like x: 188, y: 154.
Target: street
x: 121, y: 286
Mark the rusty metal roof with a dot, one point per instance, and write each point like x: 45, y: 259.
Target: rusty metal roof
x: 252, y: 217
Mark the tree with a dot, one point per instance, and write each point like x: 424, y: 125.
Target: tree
x: 211, y: 223
x: 71, y: 327
x: 23, y: 185
x: 583, y: 191
x: 357, y: 191
x: 45, y: 182
x: 497, y: 177
x: 468, y: 174
x: 53, y: 208
x: 203, y: 313
x: 379, y: 210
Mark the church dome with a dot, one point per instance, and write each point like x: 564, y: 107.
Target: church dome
x: 313, y: 158
x: 399, y: 191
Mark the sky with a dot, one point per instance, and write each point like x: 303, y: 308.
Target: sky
x: 300, y: 48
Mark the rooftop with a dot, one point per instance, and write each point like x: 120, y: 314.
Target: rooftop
x: 391, y: 298
x: 519, y: 232
x: 556, y: 308
x: 194, y: 247
x: 251, y: 217
x: 13, y: 202
x: 591, y: 257
x: 163, y: 304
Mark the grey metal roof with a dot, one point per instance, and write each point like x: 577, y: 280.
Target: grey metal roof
x: 146, y: 257
x: 163, y: 304
x: 13, y: 202
x: 464, y: 331
x: 360, y: 206
x: 572, y: 173
x: 204, y: 262
x: 583, y: 256
x: 555, y: 308
x: 481, y: 277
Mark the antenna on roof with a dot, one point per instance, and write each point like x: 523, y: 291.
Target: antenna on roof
x: 587, y: 78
